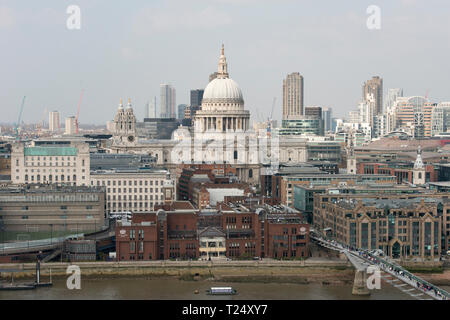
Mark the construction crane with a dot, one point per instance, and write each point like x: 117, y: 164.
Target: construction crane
x: 16, y: 127
x: 78, y: 111
x: 269, y: 120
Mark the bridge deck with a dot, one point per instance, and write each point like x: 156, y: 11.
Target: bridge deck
x: 361, y: 259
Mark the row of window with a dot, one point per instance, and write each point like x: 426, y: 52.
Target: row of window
x: 127, y: 182
x: 50, y: 177
x: 135, y: 197
x: 131, y: 190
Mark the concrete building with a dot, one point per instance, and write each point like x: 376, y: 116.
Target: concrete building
x: 44, y: 209
x: 292, y: 95
x: 135, y: 190
x: 374, y: 87
x: 168, y: 101
x: 50, y: 164
x: 71, y: 126
x: 54, y: 122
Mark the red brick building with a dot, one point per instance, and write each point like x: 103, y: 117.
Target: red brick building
x: 214, y: 173
x: 404, y: 173
x: 179, y: 231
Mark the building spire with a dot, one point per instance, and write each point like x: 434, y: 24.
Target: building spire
x: 222, y: 71
x: 120, y: 104
x: 418, y: 164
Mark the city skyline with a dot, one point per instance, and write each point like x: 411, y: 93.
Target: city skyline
x: 305, y: 36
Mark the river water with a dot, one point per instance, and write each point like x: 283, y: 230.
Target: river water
x: 174, y: 289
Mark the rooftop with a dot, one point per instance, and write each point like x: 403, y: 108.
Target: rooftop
x: 388, y: 203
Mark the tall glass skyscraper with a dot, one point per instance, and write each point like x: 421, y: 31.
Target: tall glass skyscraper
x: 168, y: 101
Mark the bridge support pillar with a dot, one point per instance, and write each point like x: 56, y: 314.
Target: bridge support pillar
x: 360, y: 284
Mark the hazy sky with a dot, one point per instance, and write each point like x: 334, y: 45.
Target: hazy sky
x: 125, y: 49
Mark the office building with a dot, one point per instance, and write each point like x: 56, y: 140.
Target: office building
x: 402, y: 228
x: 196, y: 97
x: 313, y: 111
x: 134, y: 190
x: 50, y: 164
x: 181, y: 111
x: 168, y: 101
x: 150, y: 111
x: 327, y: 116
x: 292, y: 95
x: 301, y: 125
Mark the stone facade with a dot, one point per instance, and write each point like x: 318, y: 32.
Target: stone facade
x: 66, y: 165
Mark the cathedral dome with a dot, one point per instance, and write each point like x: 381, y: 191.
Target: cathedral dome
x: 222, y: 90
x: 222, y: 93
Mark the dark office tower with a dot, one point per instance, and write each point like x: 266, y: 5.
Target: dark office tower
x: 181, y: 110
x: 292, y: 95
x: 196, y: 97
x: 374, y: 87
x: 313, y: 111
x: 327, y: 118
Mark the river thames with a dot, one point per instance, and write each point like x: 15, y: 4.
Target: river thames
x: 174, y: 289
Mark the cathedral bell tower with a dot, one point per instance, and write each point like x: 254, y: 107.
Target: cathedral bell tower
x: 125, y: 125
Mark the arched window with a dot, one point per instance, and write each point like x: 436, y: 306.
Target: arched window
x: 26, y: 177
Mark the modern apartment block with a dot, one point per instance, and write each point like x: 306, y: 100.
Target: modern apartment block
x: 71, y: 126
x: 54, y: 122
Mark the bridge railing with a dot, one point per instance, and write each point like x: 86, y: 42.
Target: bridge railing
x: 408, y: 274
x: 394, y: 267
